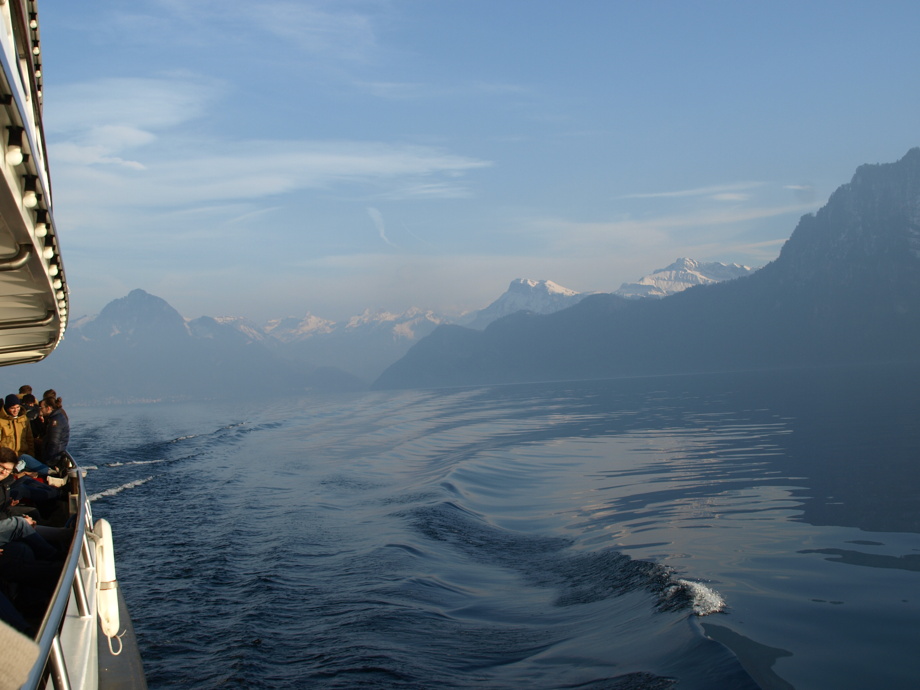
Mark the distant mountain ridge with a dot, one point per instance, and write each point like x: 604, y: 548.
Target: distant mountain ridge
x: 140, y: 348
x: 681, y: 275
x: 845, y: 289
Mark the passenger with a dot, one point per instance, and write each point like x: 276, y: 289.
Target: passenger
x: 16, y: 434
x: 34, y: 579
x: 11, y: 493
x: 30, y: 410
x: 56, y: 434
x: 17, y: 528
x: 37, y: 499
x: 12, y: 617
x: 29, y: 565
x: 50, y: 393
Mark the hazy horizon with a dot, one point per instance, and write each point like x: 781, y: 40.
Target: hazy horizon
x: 271, y: 159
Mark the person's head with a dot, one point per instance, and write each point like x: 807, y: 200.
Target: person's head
x: 25, y: 390
x: 49, y: 405
x: 8, y: 460
x: 50, y: 393
x: 27, y: 399
x: 11, y: 404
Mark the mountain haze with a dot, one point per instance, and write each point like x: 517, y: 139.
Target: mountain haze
x: 845, y: 289
x: 140, y: 348
x: 364, y: 345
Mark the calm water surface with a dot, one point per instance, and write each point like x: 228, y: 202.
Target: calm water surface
x: 524, y: 536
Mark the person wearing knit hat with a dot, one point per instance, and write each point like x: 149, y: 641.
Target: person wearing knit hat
x: 16, y: 434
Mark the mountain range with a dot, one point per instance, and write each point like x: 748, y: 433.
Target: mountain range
x: 844, y: 289
x: 140, y: 348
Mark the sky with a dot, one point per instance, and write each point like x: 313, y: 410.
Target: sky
x: 270, y: 159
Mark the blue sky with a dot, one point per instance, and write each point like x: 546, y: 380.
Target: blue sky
x: 266, y: 159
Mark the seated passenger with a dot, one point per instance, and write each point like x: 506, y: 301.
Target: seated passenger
x: 27, y: 584
x: 17, y: 527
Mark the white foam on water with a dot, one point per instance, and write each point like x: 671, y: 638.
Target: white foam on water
x: 119, y: 489
x: 705, y: 600
x: 136, y: 462
x: 119, y: 463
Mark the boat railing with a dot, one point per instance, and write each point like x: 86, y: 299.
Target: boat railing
x: 74, y: 596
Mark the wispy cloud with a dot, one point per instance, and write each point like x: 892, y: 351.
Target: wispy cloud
x: 567, y: 237
x: 428, y: 190
x: 805, y: 193
x: 107, y: 158
x: 377, y: 217
x: 260, y: 169
x: 730, y: 196
x: 751, y: 253
x: 724, y: 192
x: 88, y: 107
x: 314, y: 27
x: 393, y: 90
x: 334, y: 30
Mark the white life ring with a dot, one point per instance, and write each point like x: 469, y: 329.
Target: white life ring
x: 106, y: 584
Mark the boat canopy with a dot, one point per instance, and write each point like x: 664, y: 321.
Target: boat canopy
x: 33, y: 288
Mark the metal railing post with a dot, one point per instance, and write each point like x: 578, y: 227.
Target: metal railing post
x: 58, y: 666
x: 79, y: 593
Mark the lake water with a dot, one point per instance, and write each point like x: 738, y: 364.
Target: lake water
x: 729, y: 531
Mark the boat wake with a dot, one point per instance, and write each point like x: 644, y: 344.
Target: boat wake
x: 137, y: 462
x: 579, y: 578
x: 703, y: 600
x: 119, y: 489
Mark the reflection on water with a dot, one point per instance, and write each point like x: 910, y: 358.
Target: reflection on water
x: 526, y: 535
x: 909, y: 561
x: 758, y: 659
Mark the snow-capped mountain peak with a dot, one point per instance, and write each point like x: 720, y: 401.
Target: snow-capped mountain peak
x: 292, y: 328
x: 537, y: 296
x: 680, y: 275
x: 546, y: 287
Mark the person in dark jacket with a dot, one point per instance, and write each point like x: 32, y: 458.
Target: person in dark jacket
x: 56, y: 435
x: 30, y: 410
x: 18, y: 527
x: 26, y: 558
